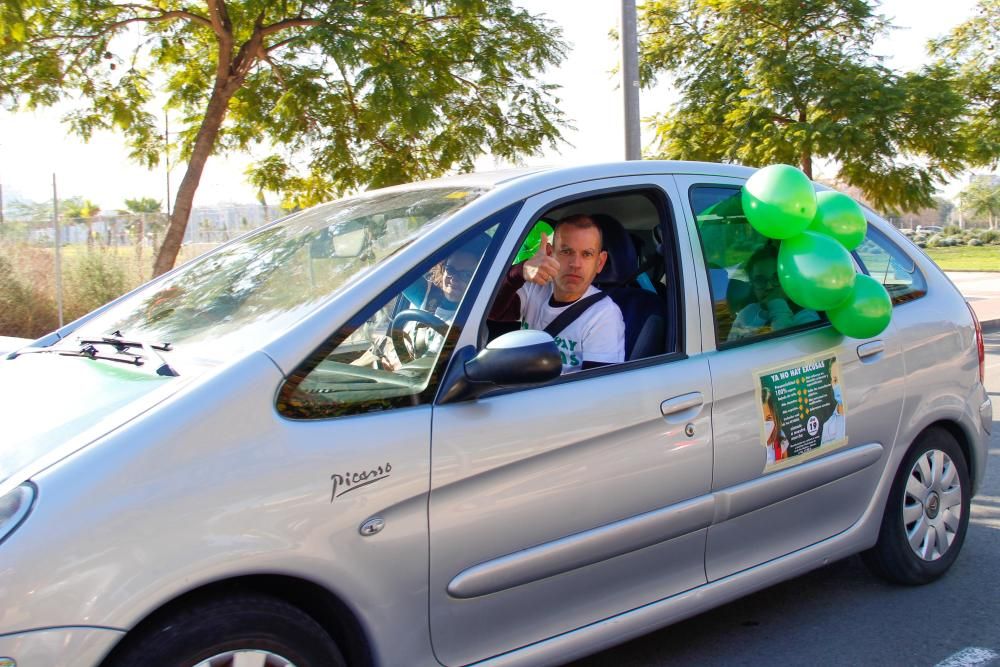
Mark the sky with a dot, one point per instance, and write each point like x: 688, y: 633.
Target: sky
x: 35, y: 145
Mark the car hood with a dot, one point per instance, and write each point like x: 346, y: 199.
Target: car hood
x: 51, y: 405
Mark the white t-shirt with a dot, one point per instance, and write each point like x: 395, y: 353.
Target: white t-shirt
x: 598, y: 334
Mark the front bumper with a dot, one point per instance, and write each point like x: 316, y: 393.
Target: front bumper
x: 53, y: 647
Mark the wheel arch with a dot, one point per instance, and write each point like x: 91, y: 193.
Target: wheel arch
x: 964, y: 441
x: 324, y: 606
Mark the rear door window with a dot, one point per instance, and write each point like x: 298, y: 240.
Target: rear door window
x: 886, y: 262
x: 747, y: 299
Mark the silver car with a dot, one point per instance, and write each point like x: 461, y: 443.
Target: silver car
x: 321, y: 444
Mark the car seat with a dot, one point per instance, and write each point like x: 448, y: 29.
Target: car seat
x: 644, y: 312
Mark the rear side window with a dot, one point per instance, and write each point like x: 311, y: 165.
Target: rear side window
x: 747, y: 299
x: 886, y: 262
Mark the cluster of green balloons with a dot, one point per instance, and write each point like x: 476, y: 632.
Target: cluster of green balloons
x: 817, y: 232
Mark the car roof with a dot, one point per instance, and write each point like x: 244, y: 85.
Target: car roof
x: 551, y: 176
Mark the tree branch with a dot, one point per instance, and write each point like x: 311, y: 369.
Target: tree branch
x: 297, y: 22
x: 223, y: 30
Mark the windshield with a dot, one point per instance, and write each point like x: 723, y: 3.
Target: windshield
x: 229, y: 301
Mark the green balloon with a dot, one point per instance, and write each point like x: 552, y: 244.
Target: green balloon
x: 534, y: 239
x: 839, y: 217
x: 779, y: 201
x: 866, y: 313
x: 815, y: 271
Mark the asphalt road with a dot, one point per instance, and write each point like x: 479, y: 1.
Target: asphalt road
x: 842, y: 615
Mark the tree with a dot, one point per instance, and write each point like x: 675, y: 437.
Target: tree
x: 943, y: 208
x: 79, y: 209
x: 982, y: 198
x: 143, y: 205
x: 972, y: 52
x: 82, y: 210
x: 792, y: 81
x: 366, y: 93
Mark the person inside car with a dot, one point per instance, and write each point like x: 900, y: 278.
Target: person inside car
x: 437, y: 293
x: 771, y: 309
x: 541, y: 289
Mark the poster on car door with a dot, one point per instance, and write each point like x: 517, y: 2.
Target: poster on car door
x: 802, y: 410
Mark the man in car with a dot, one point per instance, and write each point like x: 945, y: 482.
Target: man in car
x: 558, y: 276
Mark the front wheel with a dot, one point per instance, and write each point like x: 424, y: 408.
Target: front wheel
x: 927, y: 513
x: 246, y: 630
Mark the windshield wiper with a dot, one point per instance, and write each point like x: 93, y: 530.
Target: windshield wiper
x: 121, y: 354
x: 122, y: 346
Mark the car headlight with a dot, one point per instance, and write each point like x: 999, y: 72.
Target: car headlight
x: 14, y: 507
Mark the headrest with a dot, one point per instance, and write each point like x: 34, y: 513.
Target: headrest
x: 622, y: 260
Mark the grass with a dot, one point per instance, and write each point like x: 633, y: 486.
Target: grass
x: 966, y: 258
x: 90, y: 277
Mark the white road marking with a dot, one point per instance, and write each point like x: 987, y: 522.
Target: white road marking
x: 968, y: 657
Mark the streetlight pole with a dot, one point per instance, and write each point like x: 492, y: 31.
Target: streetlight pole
x: 630, y: 80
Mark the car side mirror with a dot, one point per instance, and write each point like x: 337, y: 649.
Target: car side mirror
x: 515, y: 359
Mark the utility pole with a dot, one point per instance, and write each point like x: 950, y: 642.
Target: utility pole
x: 55, y: 221
x: 630, y: 80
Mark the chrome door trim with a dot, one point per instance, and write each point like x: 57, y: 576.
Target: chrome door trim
x: 582, y: 549
x: 756, y: 494
x: 643, y: 530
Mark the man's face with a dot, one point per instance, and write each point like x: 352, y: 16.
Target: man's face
x: 580, y: 260
x: 457, y: 273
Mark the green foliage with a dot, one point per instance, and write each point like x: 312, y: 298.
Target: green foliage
x: 93, y: 278
x: 982, y: 198
x: 972, y: 51
x: 143, y: 205
x: 789, y: 81
x: 79, y: 209
x: 365, y: 94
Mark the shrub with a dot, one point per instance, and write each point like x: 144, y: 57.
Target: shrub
x: 27, y: 310
x: 990, y: 236
x: 91, y: 279
x: 952, y: 230
x: 974, y: 242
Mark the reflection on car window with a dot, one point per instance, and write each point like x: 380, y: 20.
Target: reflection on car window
x: 229, y: 301
x: 747, y: 298
x: 388, y: 361
x: 888, y: 264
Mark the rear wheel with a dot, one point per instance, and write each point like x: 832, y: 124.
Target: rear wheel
x: 927, y: 514
x: 241, y: 631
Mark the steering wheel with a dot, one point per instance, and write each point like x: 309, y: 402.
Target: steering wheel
x: 400, y: 339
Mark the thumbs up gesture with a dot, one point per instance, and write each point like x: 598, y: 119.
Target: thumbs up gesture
x: 542, y: 267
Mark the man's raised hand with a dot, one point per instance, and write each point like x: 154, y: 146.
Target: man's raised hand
x: 542, y: 267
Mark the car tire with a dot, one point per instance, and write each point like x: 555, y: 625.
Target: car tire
x: 927, y: 513
x: 223, y: 631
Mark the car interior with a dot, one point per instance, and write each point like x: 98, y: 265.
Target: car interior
x: 635, y: 274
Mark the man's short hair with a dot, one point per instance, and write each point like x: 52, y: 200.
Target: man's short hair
x: 581, y: 221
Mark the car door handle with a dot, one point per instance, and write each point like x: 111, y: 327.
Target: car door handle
x: 681, y: 403
x: 870, y: 349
